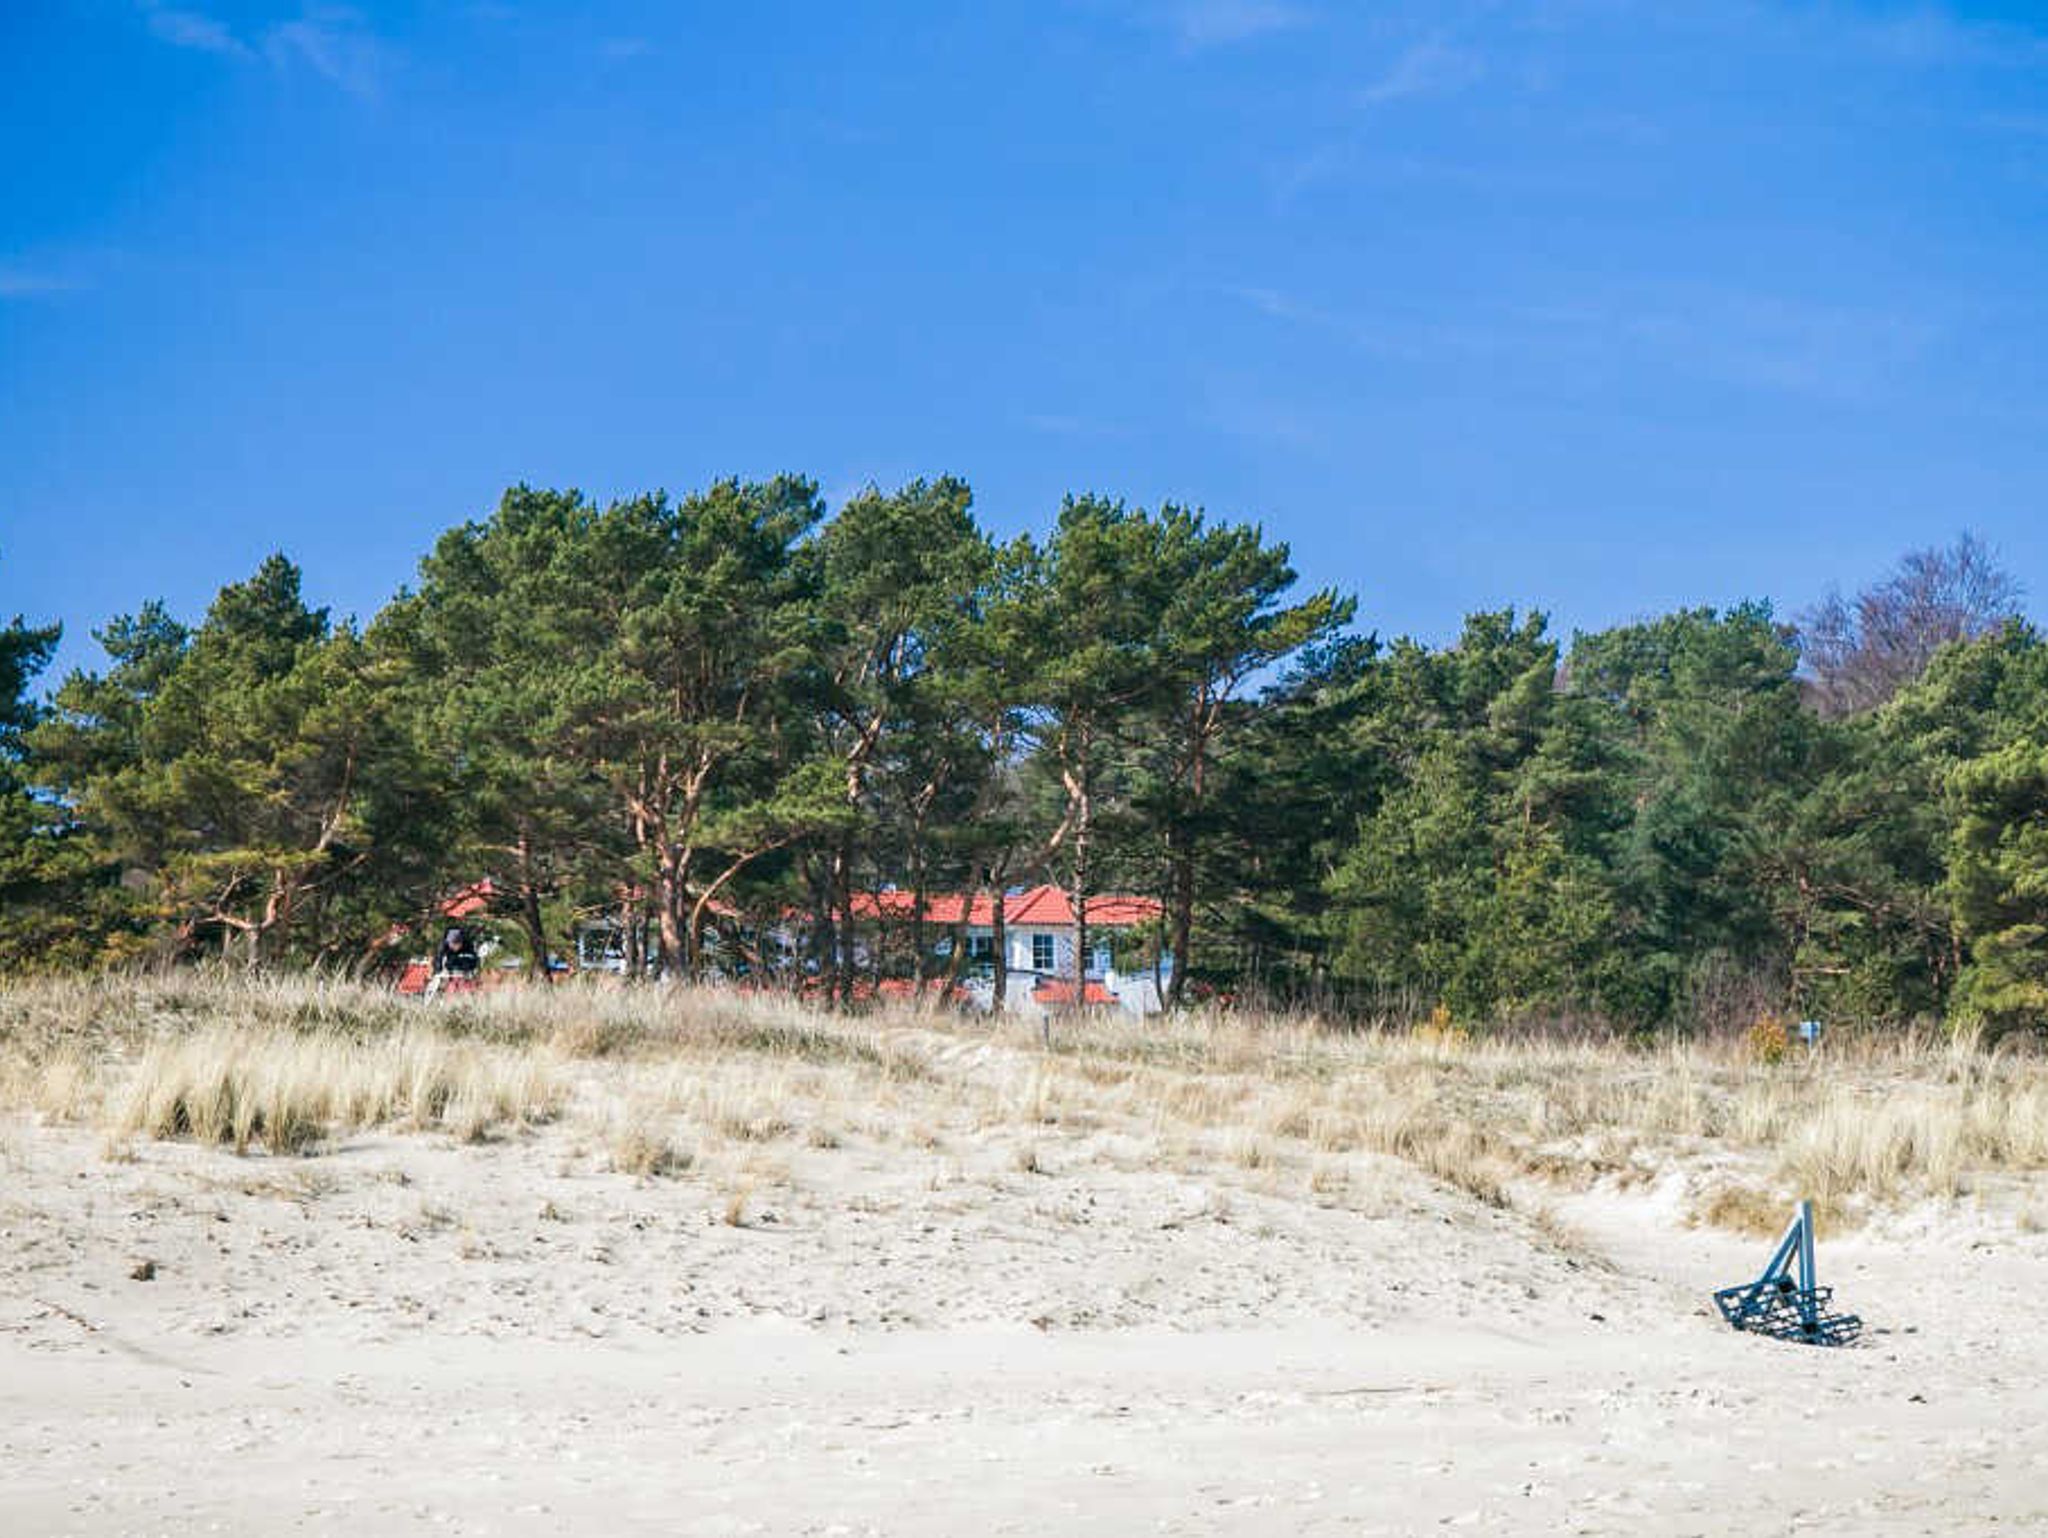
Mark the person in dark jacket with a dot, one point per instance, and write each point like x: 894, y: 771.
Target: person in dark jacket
x: 457, y: 956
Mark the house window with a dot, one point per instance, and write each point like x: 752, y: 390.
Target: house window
x: 1042, y: 959
x: 981, y: 947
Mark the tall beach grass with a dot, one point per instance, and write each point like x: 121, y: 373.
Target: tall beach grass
x: 285, y: 1064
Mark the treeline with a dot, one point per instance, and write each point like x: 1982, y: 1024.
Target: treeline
x: 703, y: 715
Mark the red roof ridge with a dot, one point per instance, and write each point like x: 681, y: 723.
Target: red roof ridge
x: 1044, y: 906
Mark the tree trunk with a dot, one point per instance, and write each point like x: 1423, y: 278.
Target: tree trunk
x: 920, y: 966
x: 841, y: 964
x: 686, y: 922
x: 275, y: 906
x: 1078, y: 895
x: 633, y: 944
x: 1160, y: 983
x: 1183, y: 856
x: 1183, y: 917
x: 529, y: 914
x: 822, y: 940
x: 958, y: 960
x: 917, y: 925
x: 536, y: 934
x: 677, y: 949
x: 1001, y: 932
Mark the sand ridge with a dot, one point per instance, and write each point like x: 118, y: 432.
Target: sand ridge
x: 416, y: 1335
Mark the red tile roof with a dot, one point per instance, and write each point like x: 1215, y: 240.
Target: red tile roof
x: 1042, y: 907
x: 1047, y: 907
x: 1053, y: 991
x: 472, y: 899
x: 939, y: 907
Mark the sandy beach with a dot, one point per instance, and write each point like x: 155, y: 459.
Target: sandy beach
x: 932, y: 1321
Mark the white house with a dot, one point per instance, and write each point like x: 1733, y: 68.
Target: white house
x: 1039, y: 933
x: 1038, y: 928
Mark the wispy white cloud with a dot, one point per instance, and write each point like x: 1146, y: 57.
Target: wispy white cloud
x: 192, y: 29
x: 1431, y: 67
x: 333, y: 42
x: 1209, y: 23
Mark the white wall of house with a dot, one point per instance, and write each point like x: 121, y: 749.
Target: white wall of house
x: 1030, y: 949
x: 1137, y: 992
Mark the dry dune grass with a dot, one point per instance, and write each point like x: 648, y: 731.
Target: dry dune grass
x: 670, y: 1079
x: 240, y: 1085
x: 1865, y: 1119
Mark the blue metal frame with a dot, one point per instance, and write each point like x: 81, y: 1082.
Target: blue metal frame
x: 1787, y: 1302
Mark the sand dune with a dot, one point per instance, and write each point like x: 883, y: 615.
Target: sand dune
x: 897, y: 1310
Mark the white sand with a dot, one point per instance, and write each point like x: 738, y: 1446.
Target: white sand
x: 407, y: 1336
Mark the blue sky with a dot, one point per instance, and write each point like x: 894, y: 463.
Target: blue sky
x: 1598, y: 306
